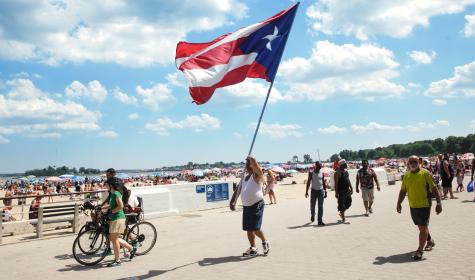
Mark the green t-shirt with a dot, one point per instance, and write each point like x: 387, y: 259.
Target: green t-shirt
x: 113, y: 204
x: 416, y: 186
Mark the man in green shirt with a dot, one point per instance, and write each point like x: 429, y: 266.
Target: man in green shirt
x: 418, y: 185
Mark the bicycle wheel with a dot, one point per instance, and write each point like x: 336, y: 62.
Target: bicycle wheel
x: 90, y: 247
x: 146, y: 236
x: 87, y: 244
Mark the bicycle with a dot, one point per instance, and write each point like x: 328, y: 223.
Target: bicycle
x: 92, y: 244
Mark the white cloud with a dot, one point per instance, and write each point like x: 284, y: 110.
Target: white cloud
x: 176, y: 79
x: 377, y: 127
x: 26, y: 110
x: 439, y: 102
x: 130, y: 33
x: 278, y: 131
x: 94, y: 91
x: 197, y: 123
x: 134, y: 116
x: 249, y: 93
x: 422, y: 57
x: 156, y: 96
x: 461, y: 83
x: 469, y: 30
x: 367, y: 18
x: 332, y: 129
x: 124, y: 98
x: 363, y: 71
x: 108, y: 134
x: 4, y: 140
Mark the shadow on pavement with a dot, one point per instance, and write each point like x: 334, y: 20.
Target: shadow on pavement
x: 315, y: 225
x: 400, y: 258
x: 64, y: 257
x: 302, y: 226
x: 154, y: 273
x: 355, y: 216
x: 215, y: 261
x: 466, y: 201
x: 78, y: 267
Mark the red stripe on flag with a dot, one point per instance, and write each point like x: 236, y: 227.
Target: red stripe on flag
x: 216, y: 56
x: 201, y: 95
x: 185, y: 49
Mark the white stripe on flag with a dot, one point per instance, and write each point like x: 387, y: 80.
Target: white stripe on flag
x: 213, y: 75
x: 244, y: 32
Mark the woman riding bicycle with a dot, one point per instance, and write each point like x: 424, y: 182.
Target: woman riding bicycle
x: 117, y: 221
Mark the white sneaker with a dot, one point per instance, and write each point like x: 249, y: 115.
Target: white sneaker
x: 251, y: 252
x: 265, y: 247
x: 367, y: 213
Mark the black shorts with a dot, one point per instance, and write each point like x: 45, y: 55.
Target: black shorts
x: 344, y: 201
x: 252, y: 216
x: 420, y: 216
x: 447, y: 183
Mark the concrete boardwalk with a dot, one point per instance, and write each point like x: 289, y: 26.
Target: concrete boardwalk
x: 208, y: 245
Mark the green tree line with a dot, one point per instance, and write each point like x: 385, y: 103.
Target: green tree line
x: 451, y: 144
x: 57, y: 171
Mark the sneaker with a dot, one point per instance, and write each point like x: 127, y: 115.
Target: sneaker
x: 367, y: 213
x: 265, y: 247
x: 251, y: 252
x: 322, y: 224
x: 114, y: 264
x: 133, y: 252
x: 371, y: 210
x: 312, y: 218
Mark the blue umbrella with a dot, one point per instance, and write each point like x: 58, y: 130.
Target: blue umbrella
x: 78, y: 179
x: 66, y: 176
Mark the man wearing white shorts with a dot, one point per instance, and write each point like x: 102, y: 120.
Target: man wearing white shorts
x: 366, y: 176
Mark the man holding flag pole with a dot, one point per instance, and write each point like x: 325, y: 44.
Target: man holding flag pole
x: 254, y: 51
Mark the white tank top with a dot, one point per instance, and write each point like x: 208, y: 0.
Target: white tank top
x: 251, y: 192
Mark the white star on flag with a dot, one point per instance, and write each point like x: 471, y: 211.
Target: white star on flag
x: 271, y: 38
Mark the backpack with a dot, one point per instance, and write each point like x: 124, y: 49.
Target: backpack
x: 125, y: 195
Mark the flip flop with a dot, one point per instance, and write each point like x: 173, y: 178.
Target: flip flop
x: 430, y: 245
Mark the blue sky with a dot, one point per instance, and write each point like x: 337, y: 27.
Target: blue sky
x: 96, y: 85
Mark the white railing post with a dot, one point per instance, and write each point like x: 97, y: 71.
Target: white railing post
x: 1, y: 229
x: 76, y: 217
x: 39, y: 224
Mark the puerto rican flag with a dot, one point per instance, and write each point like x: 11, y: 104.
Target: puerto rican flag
x: 251, y: 52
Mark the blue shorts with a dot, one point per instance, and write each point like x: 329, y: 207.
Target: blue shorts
x: 252, y: 216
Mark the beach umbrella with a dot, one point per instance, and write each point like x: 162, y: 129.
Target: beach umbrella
x: 66, y: 176
x: 207, y: 171
x: 216, y: 169
x: 198, y: 173
x: 292, y: 171
x: 78, y: 179
x: 53, y: 179
x: 278, y: 169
